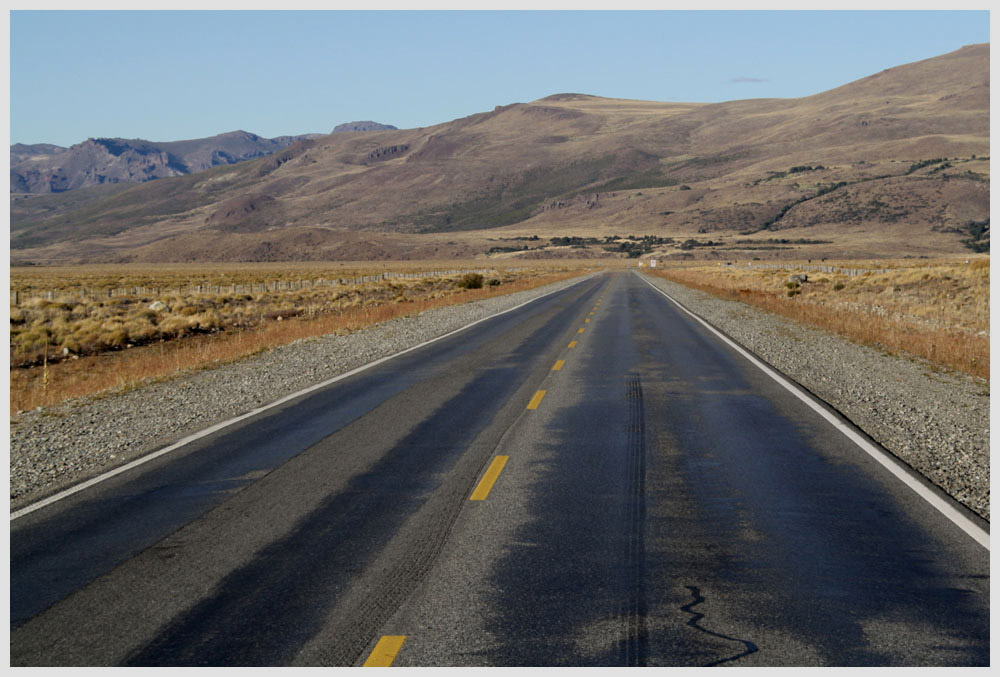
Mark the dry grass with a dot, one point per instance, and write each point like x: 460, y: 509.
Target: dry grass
x: 937, y: 310
x: 49, y: 383
x: 73, y: 324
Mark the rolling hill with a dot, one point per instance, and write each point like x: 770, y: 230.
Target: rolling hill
x: 893, y: 164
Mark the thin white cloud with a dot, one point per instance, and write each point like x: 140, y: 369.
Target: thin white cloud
x: 743, y: 78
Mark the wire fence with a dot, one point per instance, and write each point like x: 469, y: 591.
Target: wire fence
x: 18, y: 297
x: 851, y: 272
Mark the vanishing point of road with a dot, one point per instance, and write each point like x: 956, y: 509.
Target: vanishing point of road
x: 594, y: 478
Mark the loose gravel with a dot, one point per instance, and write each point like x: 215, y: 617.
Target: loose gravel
x: 936, y: 421
x: 55, y: 447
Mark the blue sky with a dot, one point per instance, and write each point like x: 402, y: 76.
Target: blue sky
x: 166, y: 76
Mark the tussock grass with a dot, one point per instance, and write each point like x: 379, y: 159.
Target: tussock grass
x: 208, y: 332
x: 69, y: 324
x: 937, y: 310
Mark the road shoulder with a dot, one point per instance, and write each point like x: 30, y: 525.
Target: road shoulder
x: 935, y: 421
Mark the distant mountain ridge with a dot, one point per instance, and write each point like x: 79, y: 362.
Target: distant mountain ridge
x: 47, y: 168
x: 896, y: 163
x: 363, y: 126
x: 21, y: 151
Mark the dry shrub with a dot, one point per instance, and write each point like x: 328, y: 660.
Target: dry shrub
x: 470, y: 281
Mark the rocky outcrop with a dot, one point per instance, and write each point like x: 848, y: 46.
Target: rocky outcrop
x: 388, y: 152
x: 246, y: 214
x: 588, y: 200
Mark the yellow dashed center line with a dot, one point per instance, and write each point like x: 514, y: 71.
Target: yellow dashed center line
x: 558, y: 365
x: 572, y: 344
x: 536, y: 400
x: 587, y: 321
x: 385, y: 651
x: 489, y: 479
x: 581, y: 330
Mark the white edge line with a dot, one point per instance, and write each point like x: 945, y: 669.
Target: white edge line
x: 287, y: 398
x: 889, y: 462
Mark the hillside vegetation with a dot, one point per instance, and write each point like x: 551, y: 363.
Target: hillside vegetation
x: 893, y: 164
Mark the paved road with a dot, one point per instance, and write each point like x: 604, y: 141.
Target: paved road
x: 644, y: 496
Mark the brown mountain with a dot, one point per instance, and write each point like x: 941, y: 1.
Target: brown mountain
x: 891, y: 164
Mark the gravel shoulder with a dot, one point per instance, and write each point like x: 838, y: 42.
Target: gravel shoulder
x: 934, y: 420
x: 53, y: 448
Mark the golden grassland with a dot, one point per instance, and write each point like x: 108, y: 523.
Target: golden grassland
x: 173, y: 275
x: 934, y: 309
x: 63, y: 349
x: 63, y: 321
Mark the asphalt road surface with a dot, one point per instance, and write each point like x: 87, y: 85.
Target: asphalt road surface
x: 593, y: 479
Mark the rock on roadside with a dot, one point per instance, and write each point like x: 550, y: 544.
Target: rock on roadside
x: 935, y: 421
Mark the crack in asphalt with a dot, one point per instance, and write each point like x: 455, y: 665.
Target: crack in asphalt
x: 696, y: 620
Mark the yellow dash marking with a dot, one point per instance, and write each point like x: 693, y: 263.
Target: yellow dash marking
x: 489, y: 479
x: 572, y: 344
x: 536, y: 400
x: 587, y: 321
x: 581, y: 330
x: 385, y: 651
x: 558, y: 365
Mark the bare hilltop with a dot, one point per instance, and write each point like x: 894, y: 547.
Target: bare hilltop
x: 895, y: 164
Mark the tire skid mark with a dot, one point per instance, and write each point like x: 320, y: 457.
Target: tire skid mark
x: 634, y: 648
